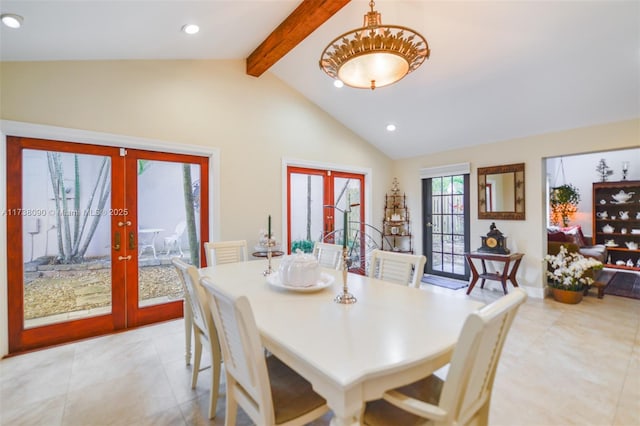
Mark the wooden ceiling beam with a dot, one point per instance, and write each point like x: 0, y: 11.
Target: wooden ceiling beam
x: 307, y: 17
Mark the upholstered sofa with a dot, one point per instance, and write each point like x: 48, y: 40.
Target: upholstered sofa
x: 574, y: 240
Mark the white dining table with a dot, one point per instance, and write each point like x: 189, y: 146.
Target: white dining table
x: 393, y: 335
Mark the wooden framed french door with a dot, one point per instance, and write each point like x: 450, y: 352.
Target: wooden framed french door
x: 316, y: 201
x: 91, y: 232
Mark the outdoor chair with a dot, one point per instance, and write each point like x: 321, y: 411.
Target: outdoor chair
x: 400, y: 268
x: 172, y: 242
x: 204, y: 330
x: 268, y: 390
x: 464, y: 397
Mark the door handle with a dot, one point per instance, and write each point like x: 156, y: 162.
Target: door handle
x: 116, y: 241
x: 124, y: 257
x: 429, y: 225
x: 132, y: 241
x: 128, y: 223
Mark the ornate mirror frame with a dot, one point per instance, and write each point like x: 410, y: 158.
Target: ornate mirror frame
x: 518, y: 213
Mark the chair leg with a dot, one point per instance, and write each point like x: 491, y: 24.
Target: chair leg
x: 482, y: 416
x: 231, y: 407
x: 188, y: 330
x: 216, y: 360
x: 196, y: 362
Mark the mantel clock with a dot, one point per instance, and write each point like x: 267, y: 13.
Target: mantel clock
x: 494, y: 241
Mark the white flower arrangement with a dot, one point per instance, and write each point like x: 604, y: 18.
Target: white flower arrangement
x: 568, y: 270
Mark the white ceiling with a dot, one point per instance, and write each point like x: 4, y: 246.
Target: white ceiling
x: 498, y: 69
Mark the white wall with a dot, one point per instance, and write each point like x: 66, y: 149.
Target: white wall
x: 528, y: 236
x: 254, y: 123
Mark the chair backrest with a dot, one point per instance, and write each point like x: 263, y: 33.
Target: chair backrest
x: 242, y: 351
x: 400, y: 268
x: 473, y: 365
x: 196, y: 296
x: 328, y: 255
x: 220, y: 252
x: 180, y: 228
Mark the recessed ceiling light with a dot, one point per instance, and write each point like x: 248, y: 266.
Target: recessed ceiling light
x: 391, y: 127
x: 190, y: 28
x: 11, y: 20
x: 338, y: 83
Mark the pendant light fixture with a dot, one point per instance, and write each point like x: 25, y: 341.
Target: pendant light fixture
x: 375, y: 55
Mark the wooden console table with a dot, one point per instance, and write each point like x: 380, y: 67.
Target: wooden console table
x: 512, y: 260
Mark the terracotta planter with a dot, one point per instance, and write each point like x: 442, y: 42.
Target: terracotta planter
x: 567, y: 296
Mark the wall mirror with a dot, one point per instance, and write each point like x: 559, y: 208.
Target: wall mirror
x: 501, y: 192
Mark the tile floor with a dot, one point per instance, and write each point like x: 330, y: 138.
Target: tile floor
x: 561, y: 365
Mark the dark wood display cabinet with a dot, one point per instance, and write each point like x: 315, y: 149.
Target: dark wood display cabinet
x: 616, y: 222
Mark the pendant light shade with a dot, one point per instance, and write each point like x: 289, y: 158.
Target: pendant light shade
x: 375, y: 55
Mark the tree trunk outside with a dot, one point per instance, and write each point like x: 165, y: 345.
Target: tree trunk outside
x: 309, y: 208
x: 71, y: 244
x: 194, y: 244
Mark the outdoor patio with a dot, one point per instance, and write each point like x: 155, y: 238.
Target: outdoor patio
x: 55, y: 293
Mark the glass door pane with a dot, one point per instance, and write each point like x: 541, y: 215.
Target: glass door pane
x: 317, y: 200
x: 347, y: 193
x: 66, y: 236
x: 168, y: 209
x: 306, y: 222
x: 446, y: 215
x: 64, y: 281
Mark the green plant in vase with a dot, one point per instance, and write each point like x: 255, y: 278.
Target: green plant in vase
x: 305, y: 246
x: 564, y: 204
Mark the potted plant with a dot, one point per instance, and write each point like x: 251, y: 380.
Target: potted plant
x: 564, y: 201
x: 568, y: 274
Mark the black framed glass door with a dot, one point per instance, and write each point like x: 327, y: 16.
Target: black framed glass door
x: 446, y: 220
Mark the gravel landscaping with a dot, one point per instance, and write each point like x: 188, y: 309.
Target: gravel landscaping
x: 57, y: 291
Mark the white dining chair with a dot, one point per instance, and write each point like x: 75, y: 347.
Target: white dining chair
x: 464, y: 397
x: 204, y: 330
x: 269, y: 391
x: 400, y: 268
x: 220, y: 252
x: 328, y: 255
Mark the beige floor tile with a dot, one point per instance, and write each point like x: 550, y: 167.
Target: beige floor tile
x: 143, y: 393
x: 34, y: 377
x: 561, y: 365
x: 47, y: 411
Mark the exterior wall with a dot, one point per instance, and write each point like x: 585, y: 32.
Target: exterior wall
x: 528, y: 236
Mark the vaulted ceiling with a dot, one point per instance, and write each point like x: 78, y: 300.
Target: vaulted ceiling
x: 498, y: 69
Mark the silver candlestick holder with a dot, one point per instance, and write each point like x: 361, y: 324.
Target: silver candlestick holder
x: 271, y: 242
x: 345, y: 297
